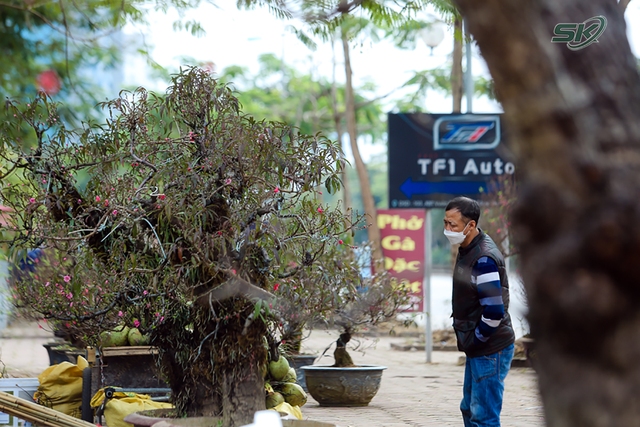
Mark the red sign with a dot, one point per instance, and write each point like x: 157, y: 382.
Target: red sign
x: 402, y: 232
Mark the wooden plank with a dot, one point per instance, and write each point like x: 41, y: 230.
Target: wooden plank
x: 128, y: 351
x: 36, y: 414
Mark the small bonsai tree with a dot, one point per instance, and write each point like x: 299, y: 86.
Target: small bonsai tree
x: 183, y: 217
x: 337, y: 293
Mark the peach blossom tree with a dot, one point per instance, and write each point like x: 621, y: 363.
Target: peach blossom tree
x: 199, y: 225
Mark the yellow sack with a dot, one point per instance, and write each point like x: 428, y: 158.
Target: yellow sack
x: 61, y: 387
x: 124, y: 403
x: 286, y: 408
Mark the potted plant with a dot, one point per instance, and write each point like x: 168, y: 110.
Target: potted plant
x: 178, y: 215
x: 346, y: 383
x: 313, y: 296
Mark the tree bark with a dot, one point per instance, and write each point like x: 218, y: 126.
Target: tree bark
x: 219, y: 382
x: 623, y: 5
x: 361, y: 168
x: 337, y: 118
x: 456, y: 92
x: 456, y: 68
x: 572, y: 118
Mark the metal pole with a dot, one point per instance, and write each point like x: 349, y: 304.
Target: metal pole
x: 428, y: 342
x: 468, y: 77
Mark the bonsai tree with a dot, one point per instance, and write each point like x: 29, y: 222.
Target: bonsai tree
x: 186, y: 219
x: 335, y: 292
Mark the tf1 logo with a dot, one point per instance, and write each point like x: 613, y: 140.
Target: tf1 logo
x: 466, y: 132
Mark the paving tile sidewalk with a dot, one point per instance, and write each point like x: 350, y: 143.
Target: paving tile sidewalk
x: 413, y: 393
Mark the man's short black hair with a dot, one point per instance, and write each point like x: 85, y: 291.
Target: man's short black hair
x: 467, y: 207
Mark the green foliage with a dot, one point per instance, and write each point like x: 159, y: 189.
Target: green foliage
x: 73, y: 40
x: 280, y: 92
x: 438, y: 79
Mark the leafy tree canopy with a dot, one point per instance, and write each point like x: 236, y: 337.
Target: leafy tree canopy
x: 60, y: 46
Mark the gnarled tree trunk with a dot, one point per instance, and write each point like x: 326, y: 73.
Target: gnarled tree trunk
x: 218, y: 379
x: 573, y: 120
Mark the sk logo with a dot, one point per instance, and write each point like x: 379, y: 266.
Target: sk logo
x: 579, y: 36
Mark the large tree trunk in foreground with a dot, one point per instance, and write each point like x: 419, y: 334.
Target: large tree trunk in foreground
x: 573, y: 119
x: 361, y: 167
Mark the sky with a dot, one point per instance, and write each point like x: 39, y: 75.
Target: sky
x: 239, y: 37
x: 236, y: 37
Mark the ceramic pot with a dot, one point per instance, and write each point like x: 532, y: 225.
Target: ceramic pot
x: 331, y: 386
x: 297, y: 361
x: 149, y: 418
x: 155, y: 418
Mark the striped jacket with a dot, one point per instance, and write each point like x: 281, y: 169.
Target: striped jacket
x: 481, y: 299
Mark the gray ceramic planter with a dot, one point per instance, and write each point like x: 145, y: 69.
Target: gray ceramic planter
x: 331, y: 386
x: 297, y: 361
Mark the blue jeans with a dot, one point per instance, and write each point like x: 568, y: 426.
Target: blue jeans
x: 483, y: 388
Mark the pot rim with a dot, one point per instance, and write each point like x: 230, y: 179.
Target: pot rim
x: 352, y: 368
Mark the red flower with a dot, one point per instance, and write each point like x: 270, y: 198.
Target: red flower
x: 49, y: 82
x: 161, y: 196
x: 340, y: 242
x: 320, y: 210
x: 276, y: 286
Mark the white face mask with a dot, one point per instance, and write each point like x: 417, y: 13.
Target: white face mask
x: 456, y: 237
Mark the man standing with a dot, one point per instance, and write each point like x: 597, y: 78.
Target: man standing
x: 480, y: 313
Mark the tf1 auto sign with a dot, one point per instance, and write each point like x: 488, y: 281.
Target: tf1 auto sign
x: 433, y: 157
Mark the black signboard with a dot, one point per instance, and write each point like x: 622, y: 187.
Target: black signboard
x: 434, y: 157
